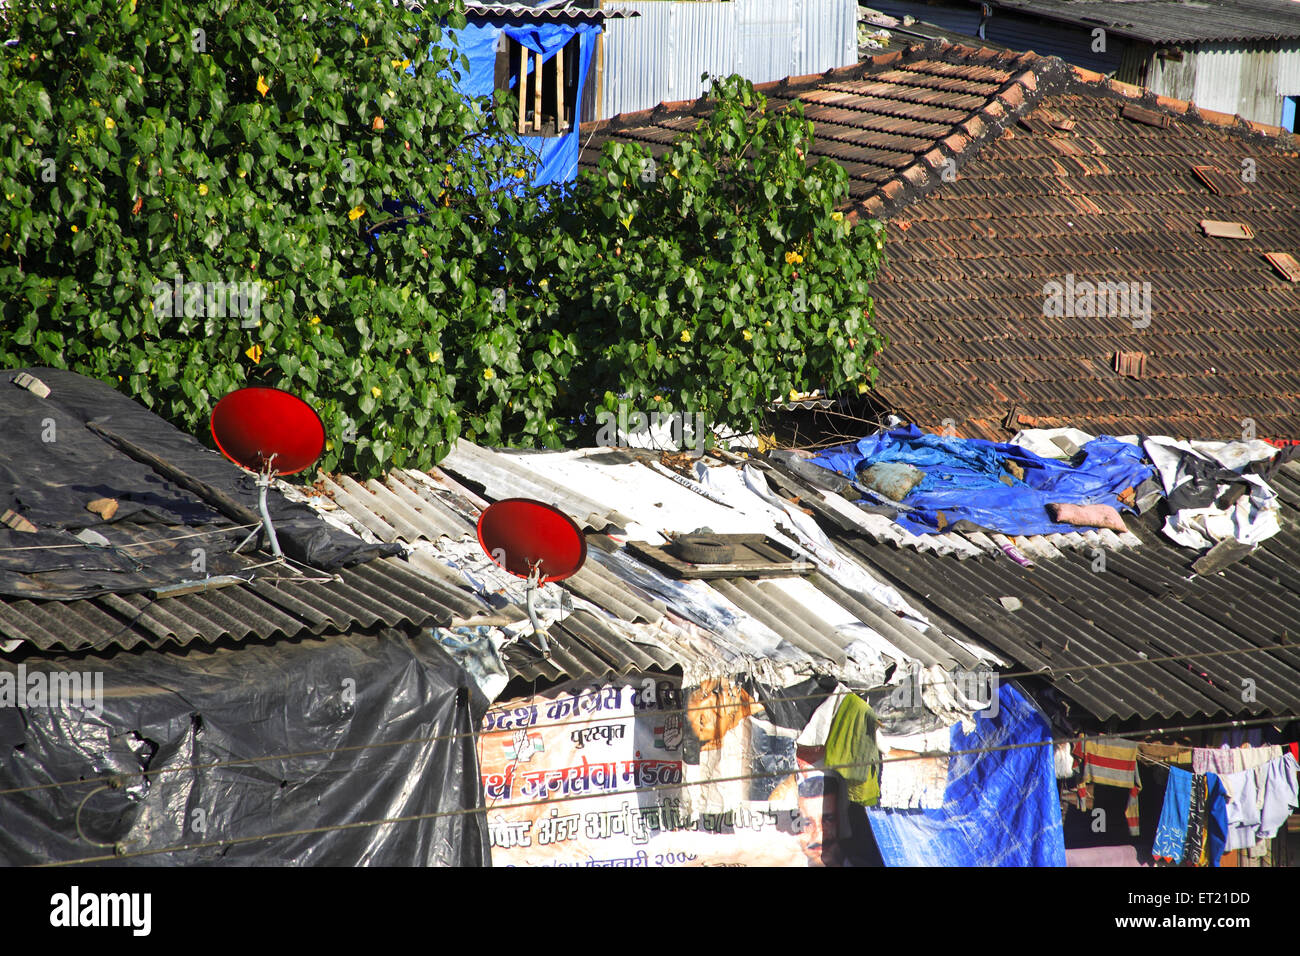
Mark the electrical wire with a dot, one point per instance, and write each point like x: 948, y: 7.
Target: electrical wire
x: 225, y: 529
x: 585, y: 721
x: 466, y: 811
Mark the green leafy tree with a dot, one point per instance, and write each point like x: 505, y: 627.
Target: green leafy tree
x: 717, y: 278
x: 229, y: 142
x: 409, y: 285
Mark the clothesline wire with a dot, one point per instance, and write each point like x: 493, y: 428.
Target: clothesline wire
x: 585, y: 722
x: 224, y: 529
x: 655, y: 788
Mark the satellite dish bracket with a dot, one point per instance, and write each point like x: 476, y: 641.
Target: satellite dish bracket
x: 530, y: 602
x: 263, y: 486
x: 253, y: 427
x: 536, y: 542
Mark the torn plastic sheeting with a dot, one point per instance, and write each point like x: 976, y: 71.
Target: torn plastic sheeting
x: 700, y: 604
x: 1000, y: 808
x: 1041, y: 441
x: 966, y: 480
x: 1199, y: 479
x: 477, y: 650
x: 304, y: 700
x: 53, y: 465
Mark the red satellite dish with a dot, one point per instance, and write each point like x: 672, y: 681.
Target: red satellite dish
x: 251, y: 425
x: 517, y: 533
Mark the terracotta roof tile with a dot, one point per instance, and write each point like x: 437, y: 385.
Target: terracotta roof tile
x: 1086, y: 195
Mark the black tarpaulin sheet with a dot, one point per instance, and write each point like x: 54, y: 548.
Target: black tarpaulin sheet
x: 52, y: 465
x: 182, y: 712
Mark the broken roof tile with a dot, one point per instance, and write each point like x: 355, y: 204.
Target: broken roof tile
x: 1226, y: 230
x: 1285, y: 264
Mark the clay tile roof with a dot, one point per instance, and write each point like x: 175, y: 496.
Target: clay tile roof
x: 1079, y: 194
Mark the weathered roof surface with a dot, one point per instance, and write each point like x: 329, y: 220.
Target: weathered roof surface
x: 551, y: 13
x: 1170, y: 21
x: 1001, y: 173
x: 165, y: 567
x: 874, y: 118
x: 650, y: 621
x: 1141, y: 604
x: 380, y: 593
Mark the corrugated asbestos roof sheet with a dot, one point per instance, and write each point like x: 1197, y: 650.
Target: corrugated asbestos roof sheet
x: 1170, y: 21
x: 1143, y: 604
x: 999, y: 174
x: 583, y: 645
x: 380, y: 593
x: 407, y: 506
x: 812, y: 623
x: 547, y: 14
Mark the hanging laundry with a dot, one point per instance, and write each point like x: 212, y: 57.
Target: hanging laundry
x: 1243, y: 809
x: 1167, y: 753
x: 1193, y: 826
x: 852, y: 752
x: 1216, y: 835
x: 1194, y: 837
x: 1000, y: 805
x: 1223, y: 760
x: 1107, y: 856
x: 1171, y: 831
x: 819, y: 725
x: 1260, y: 800
x: 1113, y: 763
x: 1063, y: 760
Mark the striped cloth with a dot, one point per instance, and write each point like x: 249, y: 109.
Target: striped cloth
x: 1113, y: 763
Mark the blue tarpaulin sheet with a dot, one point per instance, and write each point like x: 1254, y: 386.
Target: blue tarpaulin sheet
x: 964, y: 478
x: 557, y: 156
x: 1000, y: 808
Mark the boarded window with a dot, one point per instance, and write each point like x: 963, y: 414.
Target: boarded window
x: 549, y: 90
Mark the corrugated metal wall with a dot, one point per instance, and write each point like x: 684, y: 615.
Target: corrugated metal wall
x: 1288, y: 69
x: 660, y: 55
x: 1250, y: 81
x: 1218, y: 77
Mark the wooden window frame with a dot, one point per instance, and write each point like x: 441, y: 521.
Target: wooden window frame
x: 546, y: 108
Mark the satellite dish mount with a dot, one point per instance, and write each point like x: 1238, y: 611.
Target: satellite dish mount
x: 270, y: 433
x: 535, y: 542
